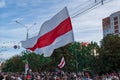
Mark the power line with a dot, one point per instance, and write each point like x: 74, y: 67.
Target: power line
x: 90, y: 7
x: 82, y: 6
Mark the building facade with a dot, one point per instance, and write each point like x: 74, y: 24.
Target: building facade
x: 111, y: 24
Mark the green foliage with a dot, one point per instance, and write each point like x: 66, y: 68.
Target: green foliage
x: 17, y: 63
x: 14, y: 64
x: 77, y: 58
x: 83, y: 57
x: 35, y: 61
x: 109, y: 54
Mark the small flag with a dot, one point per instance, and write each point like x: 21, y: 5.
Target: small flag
x: 62, y: 63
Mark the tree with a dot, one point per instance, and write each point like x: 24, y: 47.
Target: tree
x: 83, y: 57
x: 109, y: 54
x: 14, y: 64
x: 58, y: 54
x: 35, y: 61
x: 77, y: 58
x: 17, y: 63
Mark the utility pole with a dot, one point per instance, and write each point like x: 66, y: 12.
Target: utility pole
x: 102, y: 2
x: 27, y: 36
x: 27, y: 28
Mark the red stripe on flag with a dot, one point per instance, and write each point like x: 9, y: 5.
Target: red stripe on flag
x: 62, y: 64
x: 50, y: 37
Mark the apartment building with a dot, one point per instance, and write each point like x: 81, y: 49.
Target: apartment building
x: 111, y: 24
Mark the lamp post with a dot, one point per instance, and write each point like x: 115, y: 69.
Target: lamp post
x: 27, y: 28
x: 27, y: 36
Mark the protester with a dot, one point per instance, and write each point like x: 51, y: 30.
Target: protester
x: 57, y: 76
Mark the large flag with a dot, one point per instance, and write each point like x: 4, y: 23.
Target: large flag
x: 54, y: 33
x: 62, y: 63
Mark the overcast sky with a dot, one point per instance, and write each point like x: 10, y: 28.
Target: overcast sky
x: 87, y: 26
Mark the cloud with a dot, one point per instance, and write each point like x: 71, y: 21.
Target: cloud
x: 10, y: 53
x: 16, y: 34
x: 87, y: 27
x: 2, y: 3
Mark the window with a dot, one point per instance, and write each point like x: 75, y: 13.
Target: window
x: 116, y: 27
x: 115, y: 18
x: 116, y: 31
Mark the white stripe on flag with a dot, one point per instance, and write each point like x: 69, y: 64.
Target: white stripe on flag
x: 62, y: 63
x: 54, y: 33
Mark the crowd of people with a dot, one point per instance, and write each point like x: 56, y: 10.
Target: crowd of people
x: 59, y: 75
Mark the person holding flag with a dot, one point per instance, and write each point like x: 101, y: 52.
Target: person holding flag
x: 26, y: 67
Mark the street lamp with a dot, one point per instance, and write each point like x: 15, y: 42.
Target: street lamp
x: 27, y: 35
x: 27, y: 28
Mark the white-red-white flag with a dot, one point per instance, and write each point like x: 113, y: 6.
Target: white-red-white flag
x: 54, y: 33
x: 62, y: 63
